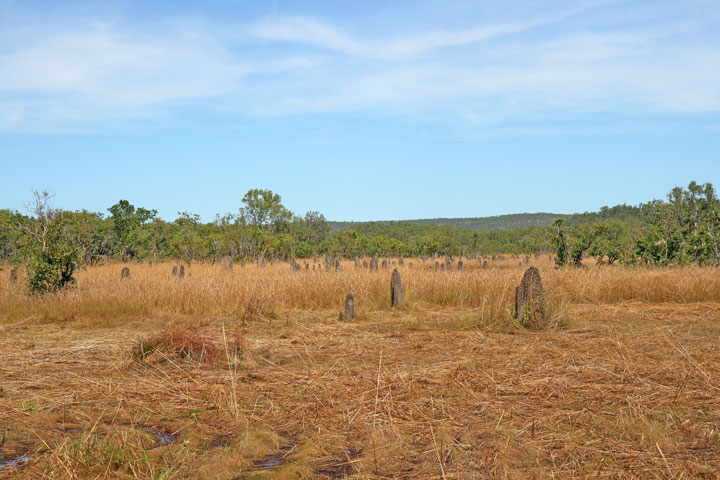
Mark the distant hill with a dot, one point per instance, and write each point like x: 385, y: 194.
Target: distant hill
x: 499, y: 222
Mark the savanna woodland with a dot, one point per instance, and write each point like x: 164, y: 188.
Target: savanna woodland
x: 270, y: 345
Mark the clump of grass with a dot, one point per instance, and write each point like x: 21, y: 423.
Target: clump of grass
x: 186, y: 343
x: 257, y: 308
x: 119, y: 453
x: 116, y: 454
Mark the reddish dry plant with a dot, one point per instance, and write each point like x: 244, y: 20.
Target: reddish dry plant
x: 236, y: 345
x: 188, y: 343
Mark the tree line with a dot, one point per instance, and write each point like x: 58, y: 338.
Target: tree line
x: 51, y: 244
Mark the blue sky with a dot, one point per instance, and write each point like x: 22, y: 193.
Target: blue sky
x: 361, y: 110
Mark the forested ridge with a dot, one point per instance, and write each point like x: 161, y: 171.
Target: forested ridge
x: 498, y: 222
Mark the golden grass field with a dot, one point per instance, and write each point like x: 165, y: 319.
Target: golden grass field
x: 251, y: 374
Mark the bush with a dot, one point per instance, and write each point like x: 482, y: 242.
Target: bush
x: 52, y: 269
x: 50, y: 258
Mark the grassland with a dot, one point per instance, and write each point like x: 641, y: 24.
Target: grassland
x: 250, y: 374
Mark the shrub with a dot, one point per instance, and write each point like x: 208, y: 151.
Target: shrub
x: 50, y: 258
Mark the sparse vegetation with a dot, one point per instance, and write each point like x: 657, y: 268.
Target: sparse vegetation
x: 247, y: 373
x: 241, y: 369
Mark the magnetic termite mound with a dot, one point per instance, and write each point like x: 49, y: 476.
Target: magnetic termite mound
x: 530, y: 300
x: 374, y: 263
x: 349, y: 307
x: 397, y: 296
x: 227, y: 263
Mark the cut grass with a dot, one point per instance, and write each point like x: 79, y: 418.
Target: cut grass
x: 438, y: 389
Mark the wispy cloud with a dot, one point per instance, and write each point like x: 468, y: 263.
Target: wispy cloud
x: 560, y: 64
x: 621, y: 73
x: 58, y: 80
x: 108, y: 66
x: 311, y: 31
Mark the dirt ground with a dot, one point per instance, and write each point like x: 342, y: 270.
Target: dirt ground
x: 620, y: 391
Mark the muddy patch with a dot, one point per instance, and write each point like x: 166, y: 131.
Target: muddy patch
x: 70, y: 430
x: 276, y: 459
x: 13, y: 462
x: 162, y: 437
x: 340, y: 468
x: 221, y: 441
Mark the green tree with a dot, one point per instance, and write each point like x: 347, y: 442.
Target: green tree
x: 559, y: 242
x: 682, y: 228
x: 188, y: 239
x: 90, y: 235
x: 312, y: 228
x: 128, y: 223
x: 712, y: 226
x: 158, y: 238
x: 264, y: 209
x: 610, y: 242
x: 701, y: 225
x: 582, y: 237
x: 10, y: 234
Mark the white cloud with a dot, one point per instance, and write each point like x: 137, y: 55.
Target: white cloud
x: 104, y: 73
x: 584, y: 73
x: 310, y: 31
x: 550, y: 66
x: 99, y: 62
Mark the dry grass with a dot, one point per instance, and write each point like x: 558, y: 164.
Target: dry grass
x: 442, y: 388
x: 253, y: 293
